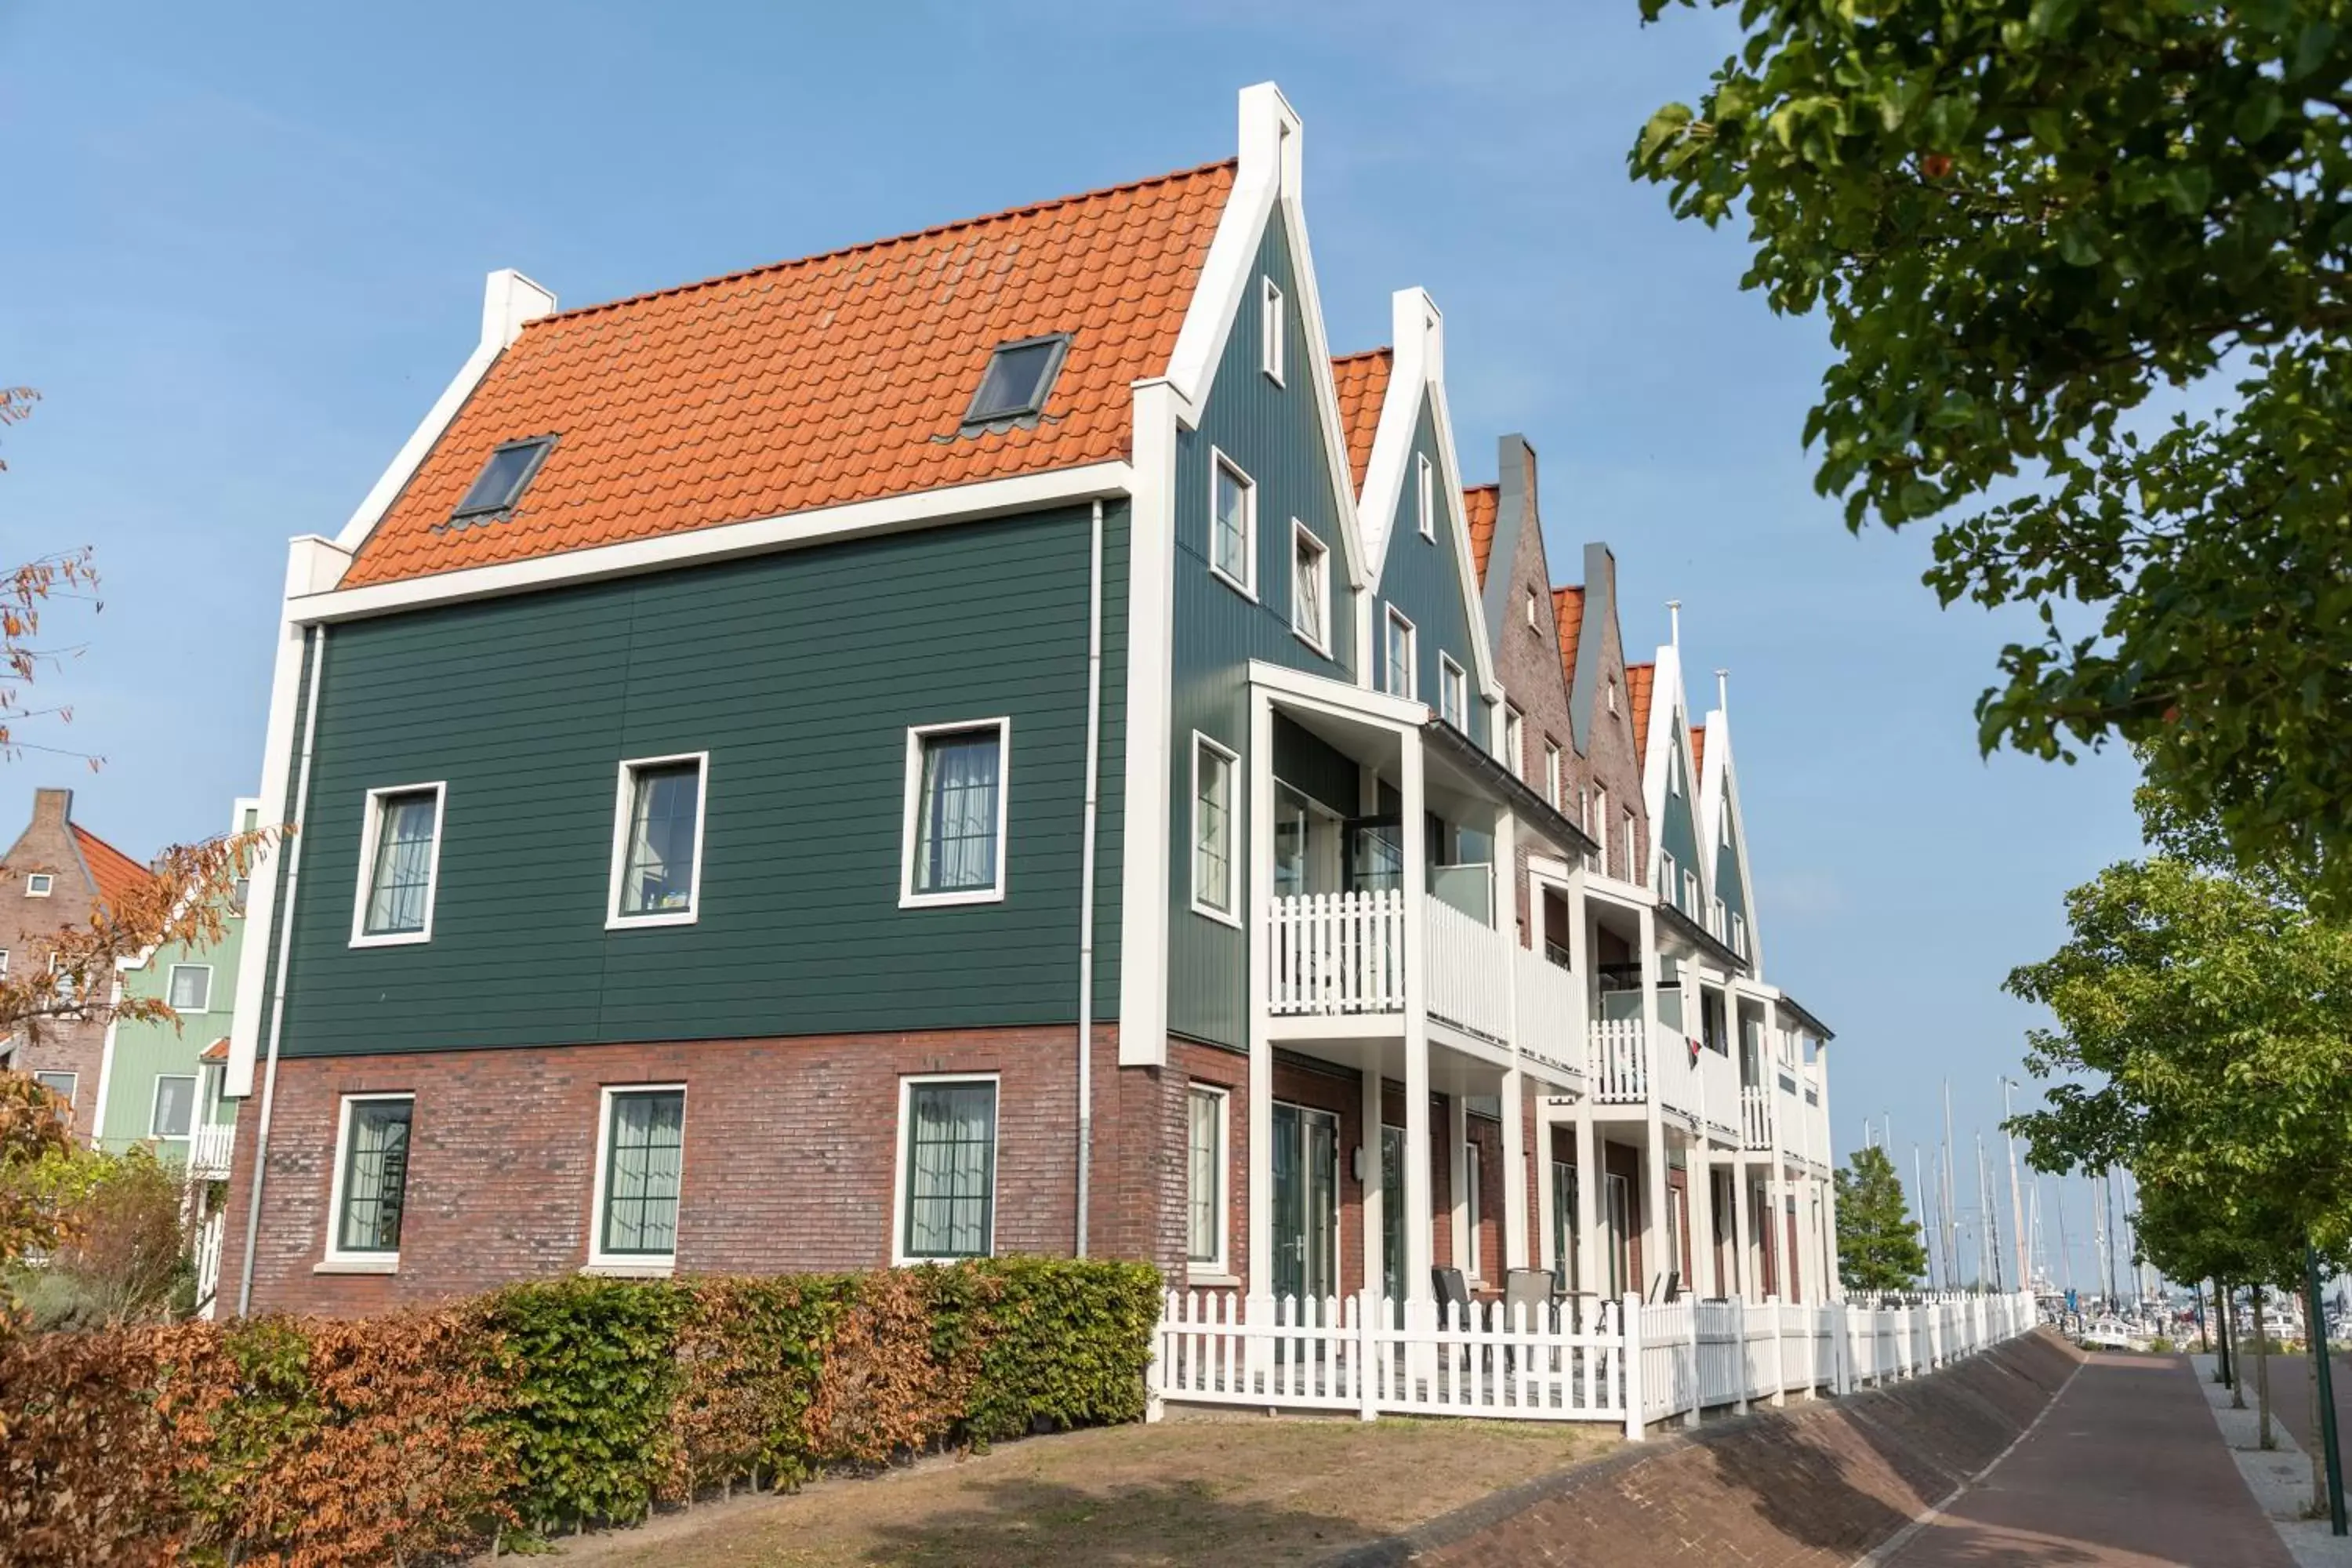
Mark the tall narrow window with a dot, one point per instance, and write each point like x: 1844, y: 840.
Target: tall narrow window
x: 1553, y: 786
x: 399, y: 859
x: 645, y: 1162
x: 1600, y: 821
x: 1690, y: 892
x: 1669, y: 885
x: 1673, y: 771
x: 1473, y: 1202
x: 1515, y: 742
x: 1213, y: 828
x: 1232, y: 525
x: 1739, y: 934
x: 1310, y: 587
x: 1425, y: 496
x: 1205, y: 1179
x: 955, y: 813
x: 1397, y: 677
x: 1723, y: 825
x: 371, y: 1176
x: 657, y: 841
x: 948, y: 1129
x: 173, y: 1113
x: 1273, y: 329
x: 1452, y: 693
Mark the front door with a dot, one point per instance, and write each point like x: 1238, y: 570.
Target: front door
x: 1563, y: 1222
x: 1393, y: 1216
x: 1305, y: 1203
x: 1620, y: 1233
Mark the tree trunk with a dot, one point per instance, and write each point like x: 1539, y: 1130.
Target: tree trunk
x: 2269, y: 1439
x: 2315, y: 1332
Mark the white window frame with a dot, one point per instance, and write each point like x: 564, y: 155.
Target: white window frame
x: 1471, y: 1272
x: 4, y: 961
x: 1515, y: 742
x: 73, y: 1081
x: 1633, y: 841
x: 1316, y: 636
x: 1216, y: 1266
x: 1723, y: 827
x: 1412, y: 691
x: 1612, y: 694
x: 40, y: 884
x: 338, y: 1261
x: 155, y: 1103
x: 1554, y: 781
x: 371, y: 831
x: 908, y: 898
x: 1234, y: 863
x: 1246, y: 585
x: 1667, y: 881
x: 1452, y: 693
x: 1739, y: 934
x: 1690, y: 892
x: 629, y: 1265
x: 1272, y: 336
x: 1533, y: 625
x: 900, y: 1161
x: 1425, y: 495
x: 613, y: 919
x: 1599, y: 818
x: 1673, y: 770
x: 170, y: 984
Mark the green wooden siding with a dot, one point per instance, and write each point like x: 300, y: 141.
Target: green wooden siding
x: 798, y: 673
x: 1678, y: 833
x: 144, y: 1051
x: 1727, y: 884
x: 1275, y: 435
x: 1422, y: 578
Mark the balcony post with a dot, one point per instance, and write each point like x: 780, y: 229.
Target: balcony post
x: 1507, y: 948
x: 1818, y: 1116
x: 1701, y: 1177
x: 1412, y: 843
x: 1374, y: 1206
x: 1784, y: 1254
x: 1654, y: 1186
x: 1515, y: 1174
x: 1739, y: 1231
x: 1255, y: 852
x: 1589, y: 1178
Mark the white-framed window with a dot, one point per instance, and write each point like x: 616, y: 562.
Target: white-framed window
x: 1602, y: 821
x: 1690, y: 892
x: 956, y: 810
x: 1397, y: 672
x: 1515, y: 742
x: 947, y: 1167
x: 1723, y: 827
x: 4, y: 961
x: 1215, y: 863
x: 1739, y: 934
x: 640, y: 1171
x: 1273, y: 329
x: 369, y: 1190
x: 190, y: 989
x: 1233, y: 524
x: 400, y: 864
x: 1667, y: 883
x: 1717, y: 920
x: 1206, y: 1129
x: 1472, y: 1204
x: 171, y: 1113
x: 657, y: 815
x: 1555, y: 790
x: 67, y: 983
x: 1310, y: 587
x: 1452, y: 693
x: 1612, y: 694
x: 61, y: 1084
x: 1424, y: 493
x: 1673, y: 770
x: 39, y: 885
x: 1533, y: 623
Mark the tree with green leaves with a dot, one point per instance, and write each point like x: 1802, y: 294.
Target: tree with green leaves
x: 1877, y: 1240
x: 2024, y: 219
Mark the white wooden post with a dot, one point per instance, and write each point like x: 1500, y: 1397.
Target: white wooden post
x: 1698, y: 1366
x: 1779, y: 1350
x: 1155, y: 1378
x: 1367, y: 1351
x: 1631, y: 1352
x: 1842, y: 1349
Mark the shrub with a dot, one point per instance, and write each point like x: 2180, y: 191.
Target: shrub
x: 749, y: 1352
x: 1060, y: 1345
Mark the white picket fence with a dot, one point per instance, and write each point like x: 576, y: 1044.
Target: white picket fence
x: 1622, y: 1362
x: 1332, y: 953
x: 1620, y: 1061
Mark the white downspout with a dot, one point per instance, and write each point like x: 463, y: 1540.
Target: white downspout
x: 317, y: 662
x: 1085, y: 882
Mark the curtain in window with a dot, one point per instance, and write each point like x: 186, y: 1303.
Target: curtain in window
x: 1213, y: 852
x: 658, y: 874
x: 645, y: 1156
x: 951, y: 1175
x: 1306, y: 591
x: 403, y: 864
x: 955, y: 827
x: 1399, y: 672
x: 1206, y: 1176
x: 190, y: 985
x: 175, y: 1107
x: 375, y: 1177
x: 1232, y: 525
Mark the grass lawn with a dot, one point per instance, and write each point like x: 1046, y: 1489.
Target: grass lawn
x: 1191, y: 1490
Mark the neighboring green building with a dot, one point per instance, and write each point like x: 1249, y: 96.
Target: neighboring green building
x: 160, y: 1082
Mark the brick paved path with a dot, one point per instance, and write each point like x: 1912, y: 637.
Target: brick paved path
x: 2127, y: 1470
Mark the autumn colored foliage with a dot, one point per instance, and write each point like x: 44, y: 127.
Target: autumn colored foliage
x: 314, y: 1443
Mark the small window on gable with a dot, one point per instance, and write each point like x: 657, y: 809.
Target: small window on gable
x: 1724, y: 825
x: 502, y: 478
x: 1018, y: 378
x: 39, y: 885
x: 1534, y: 625
x: 1612, y: 694
x: 1674, y: 772
x: 1310, y: 587
x: 1398, y: 677
x: 1273, y: 329
x: 1425, y: 497
x: 1233, y: 524
x: 1452, y: 693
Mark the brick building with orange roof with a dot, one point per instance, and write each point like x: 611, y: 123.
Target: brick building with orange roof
x: 991, y: 741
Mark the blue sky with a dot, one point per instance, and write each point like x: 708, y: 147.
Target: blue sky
x: 249, y: 246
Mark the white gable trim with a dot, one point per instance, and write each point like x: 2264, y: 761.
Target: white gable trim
x: 1719, y: 792
x: 1670, y: 717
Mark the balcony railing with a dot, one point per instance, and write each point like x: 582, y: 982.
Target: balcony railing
x: 1547, y: 1010
x: 1337, y: 953
x: 1620, y: 1061
x: 1756, y: 1116
x: 1467, y: 972
x: 208, y: 1150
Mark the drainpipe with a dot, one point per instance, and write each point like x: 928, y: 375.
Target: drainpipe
x: 318, y: 660
x: 1085, y: 882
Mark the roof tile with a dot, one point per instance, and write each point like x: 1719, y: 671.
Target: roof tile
x: 1639, y: 679
x: 1363, y: 386
x: 1479, y: 503
x: 116, y: 874
x: 1568, y: 610
x: 817, y: 382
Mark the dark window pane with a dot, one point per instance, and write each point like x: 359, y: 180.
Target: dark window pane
x: 645, y: 1155
x: 404, y: 863
x: 952, y: 1169
x: 657, y: 874
x: 1015, y: 382
x: 955, y: 827
x: 502, y: 478
x: 375, y: 1177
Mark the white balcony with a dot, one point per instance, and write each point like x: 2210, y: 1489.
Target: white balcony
x: 209, y: 1149
x: 1756, y: 1116
x: 1469, y: 972
x: 1619, y: 1071
x: 1336, y: 953
x: 1548, y: 1011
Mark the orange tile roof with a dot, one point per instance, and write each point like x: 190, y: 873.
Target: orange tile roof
x: 810, y: 384
x: 116, y: 874
x: 1363, y: 383
x: 1479, y: 503
x: 1639, y: 679
x: 1698, y: 748
x: 215, y: 1052
x: 1568, y: 610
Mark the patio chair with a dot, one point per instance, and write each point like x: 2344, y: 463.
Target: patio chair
x: 1525, y: 1287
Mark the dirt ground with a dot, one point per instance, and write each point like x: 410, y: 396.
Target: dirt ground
x: 1198, y: 1490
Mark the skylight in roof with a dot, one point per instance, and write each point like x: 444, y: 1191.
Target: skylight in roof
x: 1019, y: 376
x: 504, y: 476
